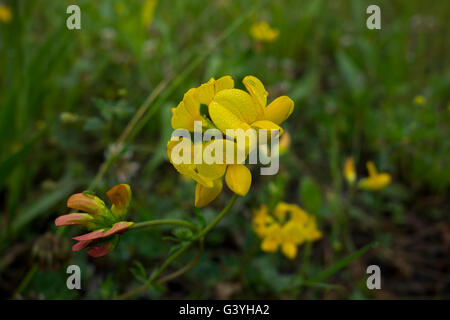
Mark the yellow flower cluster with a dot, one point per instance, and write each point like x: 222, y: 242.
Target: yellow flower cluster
x: 374, y: 182
x: 226, y: 108
x: 288, y: 226
x: 5, y: 14
x: 261, y: 31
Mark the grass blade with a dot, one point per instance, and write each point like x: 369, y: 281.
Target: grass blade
x: 339, y: 265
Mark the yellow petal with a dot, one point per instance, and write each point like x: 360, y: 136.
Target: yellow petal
x: 211, y: 171
x: 371, y: 168
x: 279, y: 110
x: 205, y: 92
x: 238, y: 179
x: 375, y: 183
x: 269, y: 126
x: 259, y: 94
x: 269, y: 244
x: 289, y: 249
x: 238, y: 102
x: 181, y: 118
x: 223, y: 118
x: 186, y: 169
x: 187, y: 111
x: 204, y: 195
x: 223, y: 83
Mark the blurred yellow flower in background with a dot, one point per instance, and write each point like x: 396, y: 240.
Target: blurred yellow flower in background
x: 262, y: 31
x: 349, y: 171
x: 148, y: 11
x: 285, y: 143
x: 287, y: 227
x: 376, y: 181
x: 420, y: 100
x: 5, y: 14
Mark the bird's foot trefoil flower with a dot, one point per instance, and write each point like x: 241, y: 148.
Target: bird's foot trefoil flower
x: 105, y: 224
x: 376, y: 181
x: 288, y: 226
x: 217, y: 105
x: 262, y: 31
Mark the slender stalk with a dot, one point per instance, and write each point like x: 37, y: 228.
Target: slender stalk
x: 26, y: 280
x: 219, y: 217
x: 153, y: 223
x: 179, y: 272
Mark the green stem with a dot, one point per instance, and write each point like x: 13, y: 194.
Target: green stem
x: 26, y: 280
x: 219, y: 217
x: 153, y: 223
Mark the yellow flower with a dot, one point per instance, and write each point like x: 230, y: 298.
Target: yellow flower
x: 5, y: 14
x: 209, y: 176
x: 288, y: 227
x: 237, y: 109
x: 188, y: 110
x: 376, y: 181
x: 226, y: 108
x: 262, y: 31
x: 349, y: 171
x: 420, y: 100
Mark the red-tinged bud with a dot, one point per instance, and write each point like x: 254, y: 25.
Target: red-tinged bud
x: 100, y: 251
x: 80, y: 245
x: 87, y: 203
x: 120, y: 196
x: 118, y: 228
x: 97, y: 234
x: 73, y: 219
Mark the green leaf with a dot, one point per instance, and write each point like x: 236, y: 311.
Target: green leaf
x: 338, y: 265
x: 139, y: 271
x: 310, y: 195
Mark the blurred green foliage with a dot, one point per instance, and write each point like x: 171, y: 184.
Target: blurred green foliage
x: 67, y: 95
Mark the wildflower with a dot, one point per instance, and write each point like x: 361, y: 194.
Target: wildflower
x: 237, y: 109
x: 105, y: 224
x: 376, y: 181
x: 349, y: 171
x: 262, y: 31
x: 288, y: 227
x: 5, y: 14
x: 420, y: 100
x: 226, y: 108
x: 209, y: 176
x: 188, y: 110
